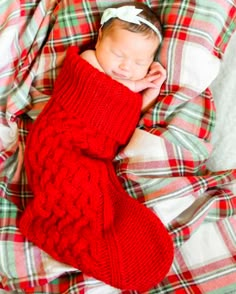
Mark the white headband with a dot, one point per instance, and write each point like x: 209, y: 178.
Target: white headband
x: 128, y: 14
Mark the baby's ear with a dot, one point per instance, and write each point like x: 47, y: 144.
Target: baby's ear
x: 99, y: 37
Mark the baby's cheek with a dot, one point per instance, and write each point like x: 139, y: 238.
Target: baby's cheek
x: 141, y: 73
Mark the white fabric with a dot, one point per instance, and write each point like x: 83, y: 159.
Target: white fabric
x: 198, y: 68
x: 224, y: 136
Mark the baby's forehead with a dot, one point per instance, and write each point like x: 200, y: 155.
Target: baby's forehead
x: 138, y: 42
x: 118, y: 25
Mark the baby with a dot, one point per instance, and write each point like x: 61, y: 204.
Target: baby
x: 81, y: 212
x: 127, y: 43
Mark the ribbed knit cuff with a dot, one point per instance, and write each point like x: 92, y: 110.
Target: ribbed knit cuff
x: 96, y: 99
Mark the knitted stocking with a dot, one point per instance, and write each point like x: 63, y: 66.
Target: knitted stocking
x: 80, y: 214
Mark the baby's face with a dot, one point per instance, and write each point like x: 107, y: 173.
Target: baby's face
x: 125, y: 55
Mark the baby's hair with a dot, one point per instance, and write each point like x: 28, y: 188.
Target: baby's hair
x: 146, y: 13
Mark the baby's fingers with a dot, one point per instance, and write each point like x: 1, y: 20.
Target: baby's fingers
x: 153, y: 85
x: 153, y: 77
x: 155, y: 68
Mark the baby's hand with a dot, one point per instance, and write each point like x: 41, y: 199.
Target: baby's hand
x: 156, y: 76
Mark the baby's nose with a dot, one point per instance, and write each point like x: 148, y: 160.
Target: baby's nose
x: 125, y: 65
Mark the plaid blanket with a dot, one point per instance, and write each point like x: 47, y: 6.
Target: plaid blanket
x: 164, y: 164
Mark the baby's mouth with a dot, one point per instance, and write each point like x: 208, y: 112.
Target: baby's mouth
x: 119, y: 76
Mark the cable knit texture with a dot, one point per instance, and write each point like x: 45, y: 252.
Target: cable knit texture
x: 80, y: 214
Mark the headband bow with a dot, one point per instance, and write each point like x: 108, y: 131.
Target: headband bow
x: 128, y: 14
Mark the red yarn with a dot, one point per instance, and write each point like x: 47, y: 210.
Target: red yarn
x: 80, y: 214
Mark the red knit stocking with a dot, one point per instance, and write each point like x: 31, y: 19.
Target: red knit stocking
x: 80, y: 214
